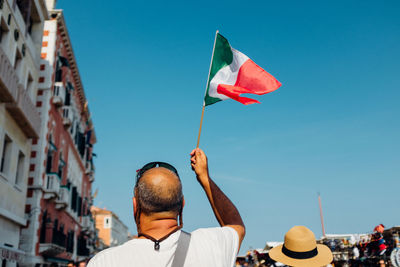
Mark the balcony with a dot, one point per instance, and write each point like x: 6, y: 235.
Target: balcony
x: 50, y: 249
x: 18, y: 101
x: 25, y: 114
x: 63, y: 198
x: 8, y: 80
x: 67, y: 115
x: 91, y: 177
x: 58, y: 94
x: 51, y: 186
x: 53, y: 243
x: 86, y: 223
x: 89, y: 167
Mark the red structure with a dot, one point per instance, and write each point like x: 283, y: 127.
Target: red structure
x: 60, y: 227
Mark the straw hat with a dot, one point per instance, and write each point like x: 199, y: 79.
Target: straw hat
x: 300, y: 249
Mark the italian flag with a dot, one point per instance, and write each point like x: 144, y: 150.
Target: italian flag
x: 233, y: 73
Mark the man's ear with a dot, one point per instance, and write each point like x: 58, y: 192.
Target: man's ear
x: 183, y: 202
x: 134, y: 205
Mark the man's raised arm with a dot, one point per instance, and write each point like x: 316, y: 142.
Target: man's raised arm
x: 224, y: 210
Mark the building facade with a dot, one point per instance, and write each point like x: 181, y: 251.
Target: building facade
x: 111, y: 230
x: 21, y: 27
x: 60, y: 227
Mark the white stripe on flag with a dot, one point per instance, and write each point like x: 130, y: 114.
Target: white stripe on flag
x: 227, y: 75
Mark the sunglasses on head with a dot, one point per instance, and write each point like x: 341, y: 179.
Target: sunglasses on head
x: 155, y: 164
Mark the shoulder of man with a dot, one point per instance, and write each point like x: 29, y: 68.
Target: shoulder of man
x: 225, y: 236
x: 220, y: 241
x: 100, y: 258
x: 223, y: 231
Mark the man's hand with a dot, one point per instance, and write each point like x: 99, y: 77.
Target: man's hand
x: 199, y: 164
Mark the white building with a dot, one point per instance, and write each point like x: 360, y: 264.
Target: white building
x: 21, y: 27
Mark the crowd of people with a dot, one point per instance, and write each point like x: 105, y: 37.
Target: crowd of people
x: 72, y: 264
x: 379, y: 248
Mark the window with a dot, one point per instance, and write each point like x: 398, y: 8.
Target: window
x: 29, y: 83
x: 81, y: 144
x: 74, y: 198
x: 60, y: 170
x: 43, y: 227
x: 67, y: 101
x: 79, y: 206
x: 3, y: 31
x: 25, y: 8
x: 70, y: 87
x: 20, y: 168
x: 58, y: 77
x: 107, y: 222
x: 49, y: 161
x: 70, y: 241
x: 34, y: 24
x: 64, y: 62
x: 6, y: 155
x: 61, y: 165
x: 18, y: 62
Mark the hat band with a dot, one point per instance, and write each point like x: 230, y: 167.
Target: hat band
x: 299, y: 255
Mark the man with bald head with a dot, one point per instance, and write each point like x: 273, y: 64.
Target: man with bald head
x: 157, y: 207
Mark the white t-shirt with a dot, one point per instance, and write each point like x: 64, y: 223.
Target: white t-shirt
x: 215, y: 247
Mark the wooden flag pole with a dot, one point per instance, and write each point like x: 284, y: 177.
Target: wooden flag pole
x: 208, y: 78
x: 201, y: 124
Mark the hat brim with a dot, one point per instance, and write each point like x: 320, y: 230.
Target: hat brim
x: 324, y: 257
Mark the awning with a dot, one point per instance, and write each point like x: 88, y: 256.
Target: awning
x: 57, y: 260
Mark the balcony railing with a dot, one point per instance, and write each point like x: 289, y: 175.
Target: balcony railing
x: 54, y: 242
x: 63, y: 198
x: 18, y: 101
x: 68, y: 116
x: 25, y: 114
x: 91, y: 177
x: 58, y: 94
x: 86, y: 223
x: 51, y: 186
x: 8, y: 80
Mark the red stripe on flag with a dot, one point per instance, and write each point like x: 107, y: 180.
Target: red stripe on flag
x: 252, y: 79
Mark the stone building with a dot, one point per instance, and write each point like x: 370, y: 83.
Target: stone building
x: 111, y: 230
x: 21, y: 27
x: 60, y: 227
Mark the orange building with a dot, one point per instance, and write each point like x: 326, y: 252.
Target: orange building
x: 111, y: 230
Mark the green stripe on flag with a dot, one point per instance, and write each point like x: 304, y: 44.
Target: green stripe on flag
x: 223, y: 56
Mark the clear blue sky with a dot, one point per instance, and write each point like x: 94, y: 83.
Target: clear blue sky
x: 333, y: 127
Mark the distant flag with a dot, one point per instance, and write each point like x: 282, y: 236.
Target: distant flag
x: 232, y: 73
x: 95, y: 193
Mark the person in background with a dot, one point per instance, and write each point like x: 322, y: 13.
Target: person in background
x: 82, y: 263
x: 300, y: 249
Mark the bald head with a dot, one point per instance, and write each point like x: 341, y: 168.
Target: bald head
x: 159, y: 190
